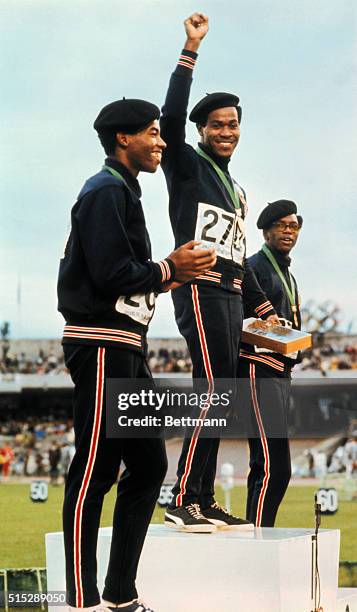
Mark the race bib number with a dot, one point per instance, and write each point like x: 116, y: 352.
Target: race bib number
x: 222, y: 230
x: 139, y: 307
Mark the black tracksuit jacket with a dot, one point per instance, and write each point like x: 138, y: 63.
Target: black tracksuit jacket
x: 107, y: 281
x: 192, y: 180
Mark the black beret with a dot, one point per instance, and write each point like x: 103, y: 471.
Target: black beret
x: 277, y: 210
x: 129, y: 116
x: 210, y: 103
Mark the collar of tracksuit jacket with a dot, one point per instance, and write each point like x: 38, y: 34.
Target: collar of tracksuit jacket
x: 222, y: 162
x: 131, y: 181
x: 284, y: 261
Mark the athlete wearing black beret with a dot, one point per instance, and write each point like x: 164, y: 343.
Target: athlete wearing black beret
x: 210, y: 103
x: 107, y: 286
x: 208, y: 204
x: 267, y: 395
x: 276, y: 210
x: 128, y: 115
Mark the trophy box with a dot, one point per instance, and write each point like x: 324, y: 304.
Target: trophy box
x: 277, y: 338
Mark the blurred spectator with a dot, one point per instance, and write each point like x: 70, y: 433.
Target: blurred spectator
x: 310, y: 462
x: 350, y: 454
x: 67, y: 454
x: 169, y: 361
x: 54, y: 457
x: 330, y: 357
x: 320, y: 461
x: 6, y: 459
x: 31, y: 464
x: 337, y: 464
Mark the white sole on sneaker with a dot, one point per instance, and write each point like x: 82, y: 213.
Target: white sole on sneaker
x: 224, y: 527
x: 191, y: 528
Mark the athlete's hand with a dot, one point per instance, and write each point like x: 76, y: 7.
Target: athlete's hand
x: 258, y: 324
x: 196, y: 27
x: 171, y: 286
x: 191, y: 262
x: 273, y: 320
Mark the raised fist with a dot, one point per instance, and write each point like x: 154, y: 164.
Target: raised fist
x: 196, y: 27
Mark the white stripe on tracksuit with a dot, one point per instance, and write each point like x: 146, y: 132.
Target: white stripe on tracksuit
x: 209, y: 375
x: 264, y: 443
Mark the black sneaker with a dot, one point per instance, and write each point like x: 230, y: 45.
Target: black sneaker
x: 189, y: 519
x: 224, y: 520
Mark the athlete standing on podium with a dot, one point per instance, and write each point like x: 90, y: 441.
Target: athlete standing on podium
x: 106, y: 292
x: 207, y: 204
x: 269, y: 373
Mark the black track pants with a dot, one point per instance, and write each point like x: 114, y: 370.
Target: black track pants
x: 94, y: 471
x: 266, y: 405
x: 210, y: 319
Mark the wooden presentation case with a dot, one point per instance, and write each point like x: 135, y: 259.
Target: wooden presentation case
x: 277, y: 338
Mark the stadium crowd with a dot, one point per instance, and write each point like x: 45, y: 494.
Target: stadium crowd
x: 161, y: 360
x: 174, y: 361
x: 25, y: 364
x: 35, y: 447
x: 328, y: 357
x: 342, y: 460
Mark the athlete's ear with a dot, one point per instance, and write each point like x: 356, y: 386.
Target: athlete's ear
x: 199, y: 129
x: 122, y: 140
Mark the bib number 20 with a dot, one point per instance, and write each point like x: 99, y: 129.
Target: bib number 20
x: 138, y: 307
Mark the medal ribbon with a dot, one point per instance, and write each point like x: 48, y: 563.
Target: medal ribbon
x: 290, y: 293
x: 234, y: 197
x: 115, y: 173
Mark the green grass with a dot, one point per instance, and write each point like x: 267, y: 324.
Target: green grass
x: 23, y: 523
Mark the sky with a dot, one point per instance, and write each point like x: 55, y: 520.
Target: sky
x: 293, y: 64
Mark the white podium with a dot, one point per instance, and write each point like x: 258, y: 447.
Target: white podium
x: 347, y: 600
x: 266, y: 570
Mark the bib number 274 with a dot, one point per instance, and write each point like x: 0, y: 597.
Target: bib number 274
x: 221, y: 229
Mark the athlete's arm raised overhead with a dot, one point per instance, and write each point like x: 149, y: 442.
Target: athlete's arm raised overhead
x: 174, y: 111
